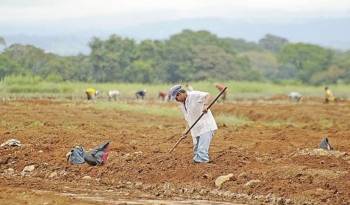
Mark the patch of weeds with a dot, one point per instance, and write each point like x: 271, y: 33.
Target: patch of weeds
x: 36, y: 123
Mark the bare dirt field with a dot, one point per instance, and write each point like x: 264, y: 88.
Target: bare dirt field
x: 273, y: 156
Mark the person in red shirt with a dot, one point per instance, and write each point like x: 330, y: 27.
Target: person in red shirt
x: 162, y: 95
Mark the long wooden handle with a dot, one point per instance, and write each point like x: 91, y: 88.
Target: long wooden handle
x: 189, y: 129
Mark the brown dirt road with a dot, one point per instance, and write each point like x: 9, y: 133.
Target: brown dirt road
x: 266, y: 149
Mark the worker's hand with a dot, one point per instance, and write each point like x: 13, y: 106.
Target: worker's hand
x: 205, y: 108
x: 184, y: 135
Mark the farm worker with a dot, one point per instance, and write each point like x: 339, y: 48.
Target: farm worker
x: 162, y: 95
x: 113, y: 94
x: 91, y: 93
x: 192, y: 104
x: 141, y: 94
x: 295, y: 96
x: 220, y: 87
x: 329, y: 97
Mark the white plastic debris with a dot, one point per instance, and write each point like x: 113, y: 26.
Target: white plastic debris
x: 11, y: 143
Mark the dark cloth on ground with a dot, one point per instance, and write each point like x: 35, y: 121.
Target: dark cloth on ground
x: 97, y: 156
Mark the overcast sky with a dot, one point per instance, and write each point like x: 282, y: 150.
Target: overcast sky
x: 62, y: 25
x: 132, y: 12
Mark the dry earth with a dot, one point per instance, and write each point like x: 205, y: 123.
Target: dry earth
x: 276, y: 149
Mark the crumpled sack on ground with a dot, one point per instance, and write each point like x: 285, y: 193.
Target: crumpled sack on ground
x: 11, y: 143
x: 96, y: 156
x: 325, y: 144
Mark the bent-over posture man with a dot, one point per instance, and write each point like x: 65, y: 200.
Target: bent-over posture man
x: 141, y: 94
x: 295, y: 96
x: 192, y: 104
x: 162, y: 95
x: 113, y: 94
x: 91, y: 93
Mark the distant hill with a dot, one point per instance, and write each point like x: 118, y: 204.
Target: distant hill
x: 60, y: 44
x: 332, y: 33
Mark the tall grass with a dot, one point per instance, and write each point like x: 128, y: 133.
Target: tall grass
x: 246, y: 89
x: 29, y: 85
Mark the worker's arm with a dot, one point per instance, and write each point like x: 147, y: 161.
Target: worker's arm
x: 206, y: 103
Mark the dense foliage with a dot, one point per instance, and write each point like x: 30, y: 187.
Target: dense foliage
x: 186, y: 56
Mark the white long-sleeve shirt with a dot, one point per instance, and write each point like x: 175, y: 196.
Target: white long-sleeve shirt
x: 192, y: 108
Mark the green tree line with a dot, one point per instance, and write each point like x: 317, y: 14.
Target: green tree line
x: 186, y: 56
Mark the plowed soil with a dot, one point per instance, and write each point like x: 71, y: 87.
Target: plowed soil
x: 267, y: 148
